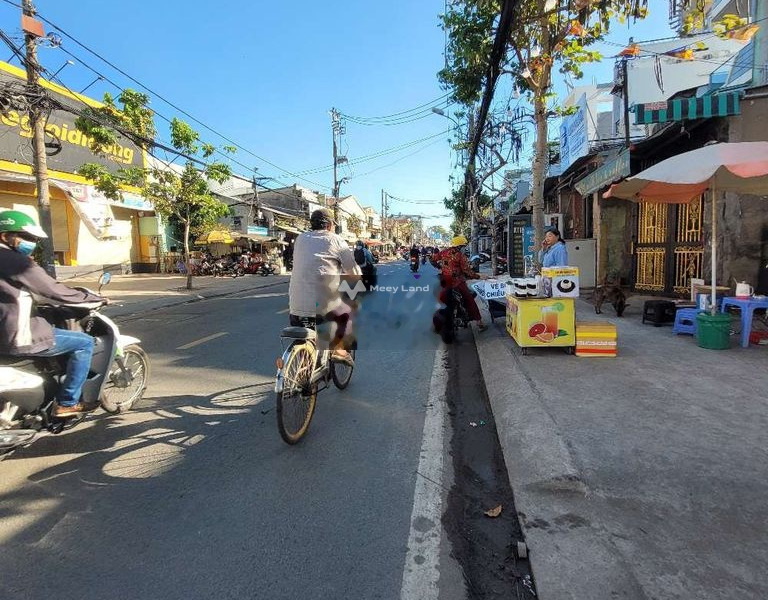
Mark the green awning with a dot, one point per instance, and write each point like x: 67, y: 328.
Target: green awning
x: 712, y: 105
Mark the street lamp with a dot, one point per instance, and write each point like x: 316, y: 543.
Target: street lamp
x: 99, y: 78
x: 61, y: 68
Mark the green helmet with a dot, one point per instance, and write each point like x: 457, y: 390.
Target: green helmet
x: 15, y: 221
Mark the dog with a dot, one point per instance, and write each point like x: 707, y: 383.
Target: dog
x: 611, y: 292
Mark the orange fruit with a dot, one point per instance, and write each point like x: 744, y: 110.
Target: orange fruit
x: 536, y: 329
x: 546, y: 337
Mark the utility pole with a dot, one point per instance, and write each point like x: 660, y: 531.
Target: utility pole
x: 336, y: 129
x: 383, y: 215
x: 37, y: 125
x: 470, y: 187
x: 625, y: 93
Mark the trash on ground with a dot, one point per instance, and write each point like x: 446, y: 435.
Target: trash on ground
x: 493, y: 512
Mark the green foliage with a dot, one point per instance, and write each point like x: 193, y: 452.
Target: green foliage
x: 179, y: 194
x: 105, y: 125
x: 354, y: 224
x: 543, y: 36
x: 457, y: 204
x: 470, y: 39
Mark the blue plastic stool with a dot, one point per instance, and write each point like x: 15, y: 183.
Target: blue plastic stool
x: 685, y: 321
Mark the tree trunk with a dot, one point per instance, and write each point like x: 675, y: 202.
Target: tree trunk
x: 187, y: 257
x: 540, y: 163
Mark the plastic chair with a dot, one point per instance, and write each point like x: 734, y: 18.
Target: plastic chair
x: 685, y: 321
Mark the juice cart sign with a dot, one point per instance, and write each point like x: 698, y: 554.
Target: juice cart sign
x: 491, y: 289
x: 541, y: 322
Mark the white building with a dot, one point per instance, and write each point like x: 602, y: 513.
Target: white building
x: 658, y: 72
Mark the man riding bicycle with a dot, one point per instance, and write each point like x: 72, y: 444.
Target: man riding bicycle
x: 320, y: 259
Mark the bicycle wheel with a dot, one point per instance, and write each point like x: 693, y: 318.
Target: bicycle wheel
x: 341, y: 373
x: 295, y: 404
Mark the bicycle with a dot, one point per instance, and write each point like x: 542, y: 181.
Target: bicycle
x: 300, y: 371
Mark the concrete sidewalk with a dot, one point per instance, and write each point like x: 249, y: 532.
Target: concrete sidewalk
x: 135, y: 294
x: 641, y: 476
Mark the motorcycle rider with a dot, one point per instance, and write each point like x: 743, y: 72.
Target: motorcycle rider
x: 364, y: 259
x: 415, y: 254
x: 320, y: 258
x: 22, y: 333
x: 454, y: 272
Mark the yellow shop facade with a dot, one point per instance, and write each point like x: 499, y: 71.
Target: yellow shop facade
x: 90, y: 232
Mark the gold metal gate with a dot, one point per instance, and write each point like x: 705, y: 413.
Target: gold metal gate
x: 669, y: 250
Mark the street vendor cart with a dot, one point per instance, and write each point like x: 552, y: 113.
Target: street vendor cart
x: 541, y: 322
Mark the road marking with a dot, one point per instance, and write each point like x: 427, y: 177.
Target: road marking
x: 420, y: 574
x: 266, y: 295
x: 282, y: 312
x: 207, y: 338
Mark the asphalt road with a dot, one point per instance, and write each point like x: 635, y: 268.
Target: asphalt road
x: 194, y: 495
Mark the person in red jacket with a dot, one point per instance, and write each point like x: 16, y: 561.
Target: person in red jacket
x: 454, y: 272
x: 22, y: 332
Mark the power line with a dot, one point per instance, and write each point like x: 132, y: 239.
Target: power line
x: 399, y: 115
x: 171, y: 104
x: 378, y: 154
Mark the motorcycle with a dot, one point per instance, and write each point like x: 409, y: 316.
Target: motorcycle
x: 267, y: 268
x: 453, y: 316
x: 117, y: 378
x: 414, y: 264
x: 501, y: 265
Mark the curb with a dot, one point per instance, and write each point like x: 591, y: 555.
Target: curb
x: 554, y: 505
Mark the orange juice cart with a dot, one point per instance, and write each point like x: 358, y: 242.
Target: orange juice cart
x: 542, y: 322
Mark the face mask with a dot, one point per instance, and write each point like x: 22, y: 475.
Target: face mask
x: 26, y: 247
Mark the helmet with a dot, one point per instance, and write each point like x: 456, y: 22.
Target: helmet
x: 459, y: 240
x: 321, y: 218
x: 358, y: 244
x: 15, y: 221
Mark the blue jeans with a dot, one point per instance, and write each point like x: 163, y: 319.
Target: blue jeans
x: 79, y: 346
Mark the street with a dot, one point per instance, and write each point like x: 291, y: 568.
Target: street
x: 194, y: 495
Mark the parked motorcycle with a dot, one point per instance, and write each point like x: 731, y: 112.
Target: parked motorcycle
x: 117, y: 378
x: 501, y: 265
x: 267, y: 268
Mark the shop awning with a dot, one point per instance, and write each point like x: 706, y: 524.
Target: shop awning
x: 215, y: 237
x: 711, y: 105
x: 603, y: 176
x: 91, y: 207
x: 259, y: 239
x: 288, y: 228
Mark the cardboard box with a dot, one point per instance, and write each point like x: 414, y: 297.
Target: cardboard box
x: 561, y: 282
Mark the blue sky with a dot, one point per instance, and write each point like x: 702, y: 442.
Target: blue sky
x: 266, y: 74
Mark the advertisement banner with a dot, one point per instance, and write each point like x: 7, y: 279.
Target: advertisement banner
x: 574, y: 136
x: 66, y: 148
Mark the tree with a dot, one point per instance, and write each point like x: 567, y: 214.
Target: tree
x: 544, y: 34
x: 179, y: 193
x: 354, y: 225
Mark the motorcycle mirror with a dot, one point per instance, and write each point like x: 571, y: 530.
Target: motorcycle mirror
x: 104, y: 279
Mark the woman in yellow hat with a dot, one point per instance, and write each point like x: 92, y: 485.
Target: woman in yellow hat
x: 454, y: 272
